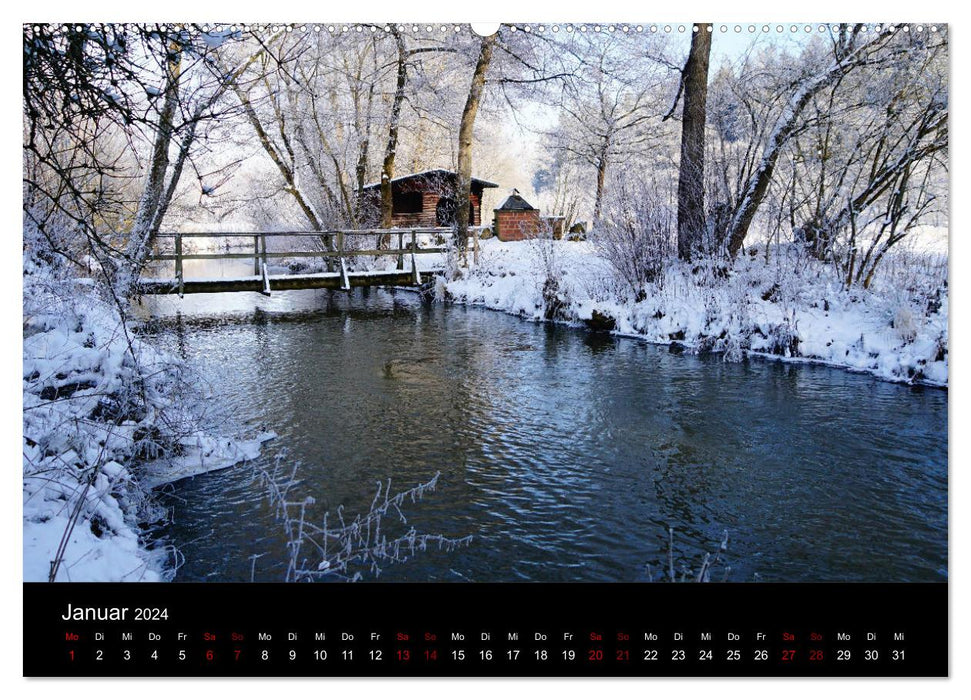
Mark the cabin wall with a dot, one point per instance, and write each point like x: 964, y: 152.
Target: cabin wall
x: 426, y: 218
x: 516, y: 224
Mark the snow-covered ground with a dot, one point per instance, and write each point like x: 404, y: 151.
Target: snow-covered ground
x: 105, y: 420
x: 791, y: 307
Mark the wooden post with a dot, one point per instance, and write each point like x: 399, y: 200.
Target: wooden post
x: 178, y: 262
x: 401, y: 245
x: 475, y: 247
x: 415, y: 275
x: 263, y: 270
x: 345, y: 283
x: 328, y: 242
x: 256, y: 255
x: 266, y: 282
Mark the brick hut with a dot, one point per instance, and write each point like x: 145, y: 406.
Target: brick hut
x: 425, y: 199
x: 516, y: 219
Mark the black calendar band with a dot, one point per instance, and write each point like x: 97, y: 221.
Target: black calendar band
x: 384, y: 629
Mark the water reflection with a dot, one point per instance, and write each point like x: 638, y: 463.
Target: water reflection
x: 566, y: 454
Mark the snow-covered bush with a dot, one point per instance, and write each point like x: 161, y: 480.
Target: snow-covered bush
x: 86, y: 414
x: 905, y: 323
x: 635, y: 236
x: 549, y: 273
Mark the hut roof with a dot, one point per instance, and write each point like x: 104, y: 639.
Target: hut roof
x: 435, y: 172
x: 515, y: 201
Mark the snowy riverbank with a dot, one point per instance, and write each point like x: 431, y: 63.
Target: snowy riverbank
x: 790, y: 308
x: 106, y: 419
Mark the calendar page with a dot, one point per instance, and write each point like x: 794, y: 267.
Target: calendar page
x: 526, y: 349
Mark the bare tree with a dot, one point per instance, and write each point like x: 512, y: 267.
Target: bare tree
x: 744, y: 100
x: 391, y: 149
x: 95, y: 95
x: 405, y: 60
x: 870, y: 163
x: 609, y: 104
x: 850, y: 50
x: 636, y: 234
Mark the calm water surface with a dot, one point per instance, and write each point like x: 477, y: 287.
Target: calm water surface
x: 567, y: 455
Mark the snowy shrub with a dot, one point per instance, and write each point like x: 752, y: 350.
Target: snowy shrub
x: 905, y: 323
x: 548, y: 271
x: 635, y: 236
x: 783, y: 338
x: 106, y: 418
x: 85, y: 401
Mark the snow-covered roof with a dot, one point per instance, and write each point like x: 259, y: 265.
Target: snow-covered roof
x: 515, y: 201
x: 429, y: 173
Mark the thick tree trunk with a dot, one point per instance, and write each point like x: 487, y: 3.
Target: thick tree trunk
x: 387, y: 166
x: 691, y: 179
x: 463, y: 196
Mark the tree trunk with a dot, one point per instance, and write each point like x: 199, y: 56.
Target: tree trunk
x: 364, y: 144
x: 166, y: 199
x: 601, y: 181
x: 148, y: 203
x: 387, y: 167
x: 463, y: 196
x: 691, y: 179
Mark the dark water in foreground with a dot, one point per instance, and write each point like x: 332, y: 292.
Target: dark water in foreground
x: 567, y: 455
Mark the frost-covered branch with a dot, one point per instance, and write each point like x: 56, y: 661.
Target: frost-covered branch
x: 351, y: 549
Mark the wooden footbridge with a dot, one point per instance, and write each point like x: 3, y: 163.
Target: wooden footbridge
x: 341, y: 251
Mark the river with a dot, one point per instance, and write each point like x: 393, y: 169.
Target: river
x: 566, y: 455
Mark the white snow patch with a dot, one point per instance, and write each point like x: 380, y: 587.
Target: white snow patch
x: 897, y: 330
x: 203, y: 454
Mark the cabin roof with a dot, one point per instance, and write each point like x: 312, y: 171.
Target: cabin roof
x: 440, y: 172
x: 515, y: 201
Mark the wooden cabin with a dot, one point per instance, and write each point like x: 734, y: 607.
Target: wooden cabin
x: 516, y: 219
x: 425, y: 199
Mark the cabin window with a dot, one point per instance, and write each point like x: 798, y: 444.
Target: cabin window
x: 407, y: 203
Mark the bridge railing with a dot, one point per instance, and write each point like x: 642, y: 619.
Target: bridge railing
x: 336, y: 244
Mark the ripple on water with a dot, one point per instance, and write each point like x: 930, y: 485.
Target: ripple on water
x: 568, y: 460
